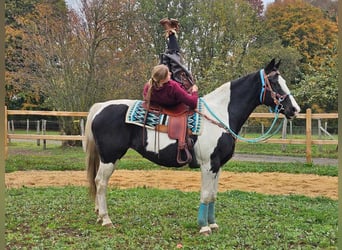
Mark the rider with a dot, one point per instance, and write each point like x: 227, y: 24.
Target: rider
x: 163, y: 90
x: 167, y: 92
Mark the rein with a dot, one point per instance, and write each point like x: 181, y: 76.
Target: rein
x: 277, y: 100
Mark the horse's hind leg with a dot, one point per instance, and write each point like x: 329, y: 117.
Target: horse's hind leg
x: 101, y: 181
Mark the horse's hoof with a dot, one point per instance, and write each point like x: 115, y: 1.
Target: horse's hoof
x: 205, y: 231
x: 109, y: 225
x: 214, y: 227
x: 206, y: 234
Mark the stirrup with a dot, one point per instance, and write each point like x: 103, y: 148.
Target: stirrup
x: 188, y: 156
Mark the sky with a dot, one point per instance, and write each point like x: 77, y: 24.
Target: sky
x: 72, y: 3
x: 267, y: 2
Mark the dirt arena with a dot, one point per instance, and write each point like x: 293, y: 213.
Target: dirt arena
x: 266, y: 183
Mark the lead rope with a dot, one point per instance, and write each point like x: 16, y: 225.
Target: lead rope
x: 221, y: 124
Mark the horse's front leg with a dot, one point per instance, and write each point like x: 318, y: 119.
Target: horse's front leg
x: 206, y: 212
x: 101, y: 181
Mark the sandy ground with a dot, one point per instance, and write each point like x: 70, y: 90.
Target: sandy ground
x: 266, y: 183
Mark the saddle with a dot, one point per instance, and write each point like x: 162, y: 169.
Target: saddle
x: 177, y: 128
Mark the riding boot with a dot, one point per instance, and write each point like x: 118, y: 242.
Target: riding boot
x: 174, y: 24
x: 171, y: 26
x: 166, y: 23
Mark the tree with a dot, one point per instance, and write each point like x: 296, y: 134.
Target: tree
x: 19, y: 94
x: 258, y: 5
x: 329, y: 7
x: 77, y: 59
x: 319, y: 90
x: 107, y: 49
x: 220, y: 38
x: 304, y: 27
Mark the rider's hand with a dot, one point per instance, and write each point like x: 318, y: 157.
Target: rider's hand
x: 194, y: 88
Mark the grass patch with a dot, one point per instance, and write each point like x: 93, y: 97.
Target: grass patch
x: 27, y: 156
x: 292, y: 168
x: 30, y: 157
x: 63, y: 218
x: 322, y: 151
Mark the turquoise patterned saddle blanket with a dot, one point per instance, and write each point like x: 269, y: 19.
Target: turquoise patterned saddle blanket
x: 136, y: 115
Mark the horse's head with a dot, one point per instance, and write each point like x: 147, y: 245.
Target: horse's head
x: 275, y: 93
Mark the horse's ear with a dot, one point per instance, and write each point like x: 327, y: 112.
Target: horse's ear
x: 278, y: 64
x: 270, y: 66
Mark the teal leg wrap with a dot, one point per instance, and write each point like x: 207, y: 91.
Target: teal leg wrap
x: 203, y: 215
x: 211, y: 213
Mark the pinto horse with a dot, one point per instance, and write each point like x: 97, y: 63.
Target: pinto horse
x: 109, y: 136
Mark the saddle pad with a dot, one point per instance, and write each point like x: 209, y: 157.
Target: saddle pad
x: 136, y: 114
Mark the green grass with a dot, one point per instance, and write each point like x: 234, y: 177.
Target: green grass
x: 63, y: 218
x: 28, y: 156
x: 33, y: 132
x: 293, y: 168
x: 323, y: 151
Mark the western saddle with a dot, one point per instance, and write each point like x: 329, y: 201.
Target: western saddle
x: 176, y: 129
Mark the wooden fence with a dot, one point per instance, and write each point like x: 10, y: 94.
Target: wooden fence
x: 308, y: 141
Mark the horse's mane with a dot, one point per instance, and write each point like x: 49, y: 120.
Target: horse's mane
x: 244, y: 78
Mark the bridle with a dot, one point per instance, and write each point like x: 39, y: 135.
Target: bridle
x: 266, y: 86
x: 277, y: 98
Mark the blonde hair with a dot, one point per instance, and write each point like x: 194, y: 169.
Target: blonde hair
x: 159, y: 73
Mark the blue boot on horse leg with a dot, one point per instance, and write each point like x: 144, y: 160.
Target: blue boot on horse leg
x: 206, y: 212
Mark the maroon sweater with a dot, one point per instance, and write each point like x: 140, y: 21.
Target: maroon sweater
x: 171, y: 94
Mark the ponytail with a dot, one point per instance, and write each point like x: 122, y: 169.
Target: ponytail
x: 149, y: 93
x: 159, y: 73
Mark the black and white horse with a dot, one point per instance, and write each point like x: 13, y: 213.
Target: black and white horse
x: 109, y: 136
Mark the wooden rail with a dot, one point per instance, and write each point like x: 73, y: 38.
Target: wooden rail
x: 46, y: 137
x: 308, y: 141
x: 47, y: 113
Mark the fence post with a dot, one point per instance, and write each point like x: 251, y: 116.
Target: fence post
x: 82, y: 132
x: 12, y: 126
x: 319, y: 133
x: 308, y: 136
x: 44, y: 132
x: 38, y: 132
x: 82, y: 126
x: 27, y: 126
x: 283, y: 134
x: 6, y: 132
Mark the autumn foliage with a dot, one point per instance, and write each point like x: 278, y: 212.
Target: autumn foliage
x: 65, y: 59
x: 306, y: 28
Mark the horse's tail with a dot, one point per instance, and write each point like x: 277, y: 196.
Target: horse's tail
x: 92, y: 154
